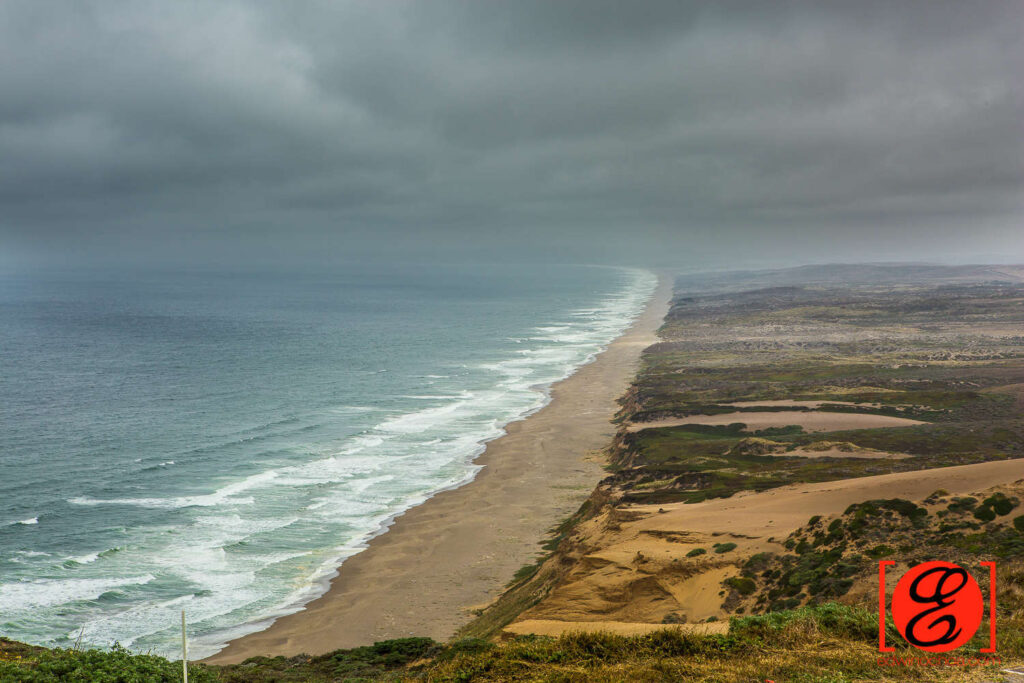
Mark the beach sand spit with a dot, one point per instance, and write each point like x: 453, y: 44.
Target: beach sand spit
x: 458, y: 549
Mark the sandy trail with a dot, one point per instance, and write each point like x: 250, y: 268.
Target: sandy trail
x: 810, y: 421
x: 458, y: 549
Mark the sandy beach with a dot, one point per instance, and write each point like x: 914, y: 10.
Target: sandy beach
x: 457, y: 551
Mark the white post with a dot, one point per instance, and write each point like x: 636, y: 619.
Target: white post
x: 184, y: 651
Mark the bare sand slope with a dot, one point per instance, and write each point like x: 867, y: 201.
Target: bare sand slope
x: 637, y: 568
x: 809, y: 420
x: 778, y: 512
x: 865, y: 453
x: 458, y: 549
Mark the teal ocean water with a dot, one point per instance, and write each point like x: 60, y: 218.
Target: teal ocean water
x: 220, y: 442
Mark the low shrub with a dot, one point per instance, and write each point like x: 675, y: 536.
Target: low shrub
x: 116, y: 665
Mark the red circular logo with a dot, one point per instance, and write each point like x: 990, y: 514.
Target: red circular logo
x: 937, y: 606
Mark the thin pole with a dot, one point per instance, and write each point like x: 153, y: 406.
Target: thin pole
x: 184, y: 650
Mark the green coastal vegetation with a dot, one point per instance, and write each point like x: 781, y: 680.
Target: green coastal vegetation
x: 915, y: 352
x: 943, y: 348
x: 945, y: 351
x: 828, y: 643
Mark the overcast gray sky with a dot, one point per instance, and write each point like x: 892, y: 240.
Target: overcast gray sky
x: 718, y: 133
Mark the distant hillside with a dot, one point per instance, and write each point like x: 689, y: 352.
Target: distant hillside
x: 848, y: 274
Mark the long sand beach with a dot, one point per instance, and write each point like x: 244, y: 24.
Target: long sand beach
x: 457, y: 550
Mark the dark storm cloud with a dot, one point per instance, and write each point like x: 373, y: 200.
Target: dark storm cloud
x: 647, y: 126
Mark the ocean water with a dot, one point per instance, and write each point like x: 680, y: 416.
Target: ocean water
x: 220, y: 442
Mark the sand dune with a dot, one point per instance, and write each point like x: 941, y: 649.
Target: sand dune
x: 637, y: 568
x: 778, y: 512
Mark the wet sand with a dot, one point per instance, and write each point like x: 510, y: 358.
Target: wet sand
x: 457, y: 551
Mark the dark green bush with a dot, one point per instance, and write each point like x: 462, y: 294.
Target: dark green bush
x: 757, y: 563
x: 965, y: 504
x: 985, y: 513
x: 465, y: 646
x: 741, y: 585
x: 1001, y: 504
x: 117, y: 665
x: 387, y: 654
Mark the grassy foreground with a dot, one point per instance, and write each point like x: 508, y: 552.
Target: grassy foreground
x: 831, y: 642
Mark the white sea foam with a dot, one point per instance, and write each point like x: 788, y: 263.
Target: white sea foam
x: 225, y: 494
x: 476, y: 416
x: 33, y: 594
x: 342, y: 410
x: 332, y: 503
x: 88, y: 558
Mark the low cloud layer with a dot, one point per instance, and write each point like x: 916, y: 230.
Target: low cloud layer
x: 639, y: 131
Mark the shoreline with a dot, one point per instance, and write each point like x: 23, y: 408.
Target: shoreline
x: 456, y: 550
